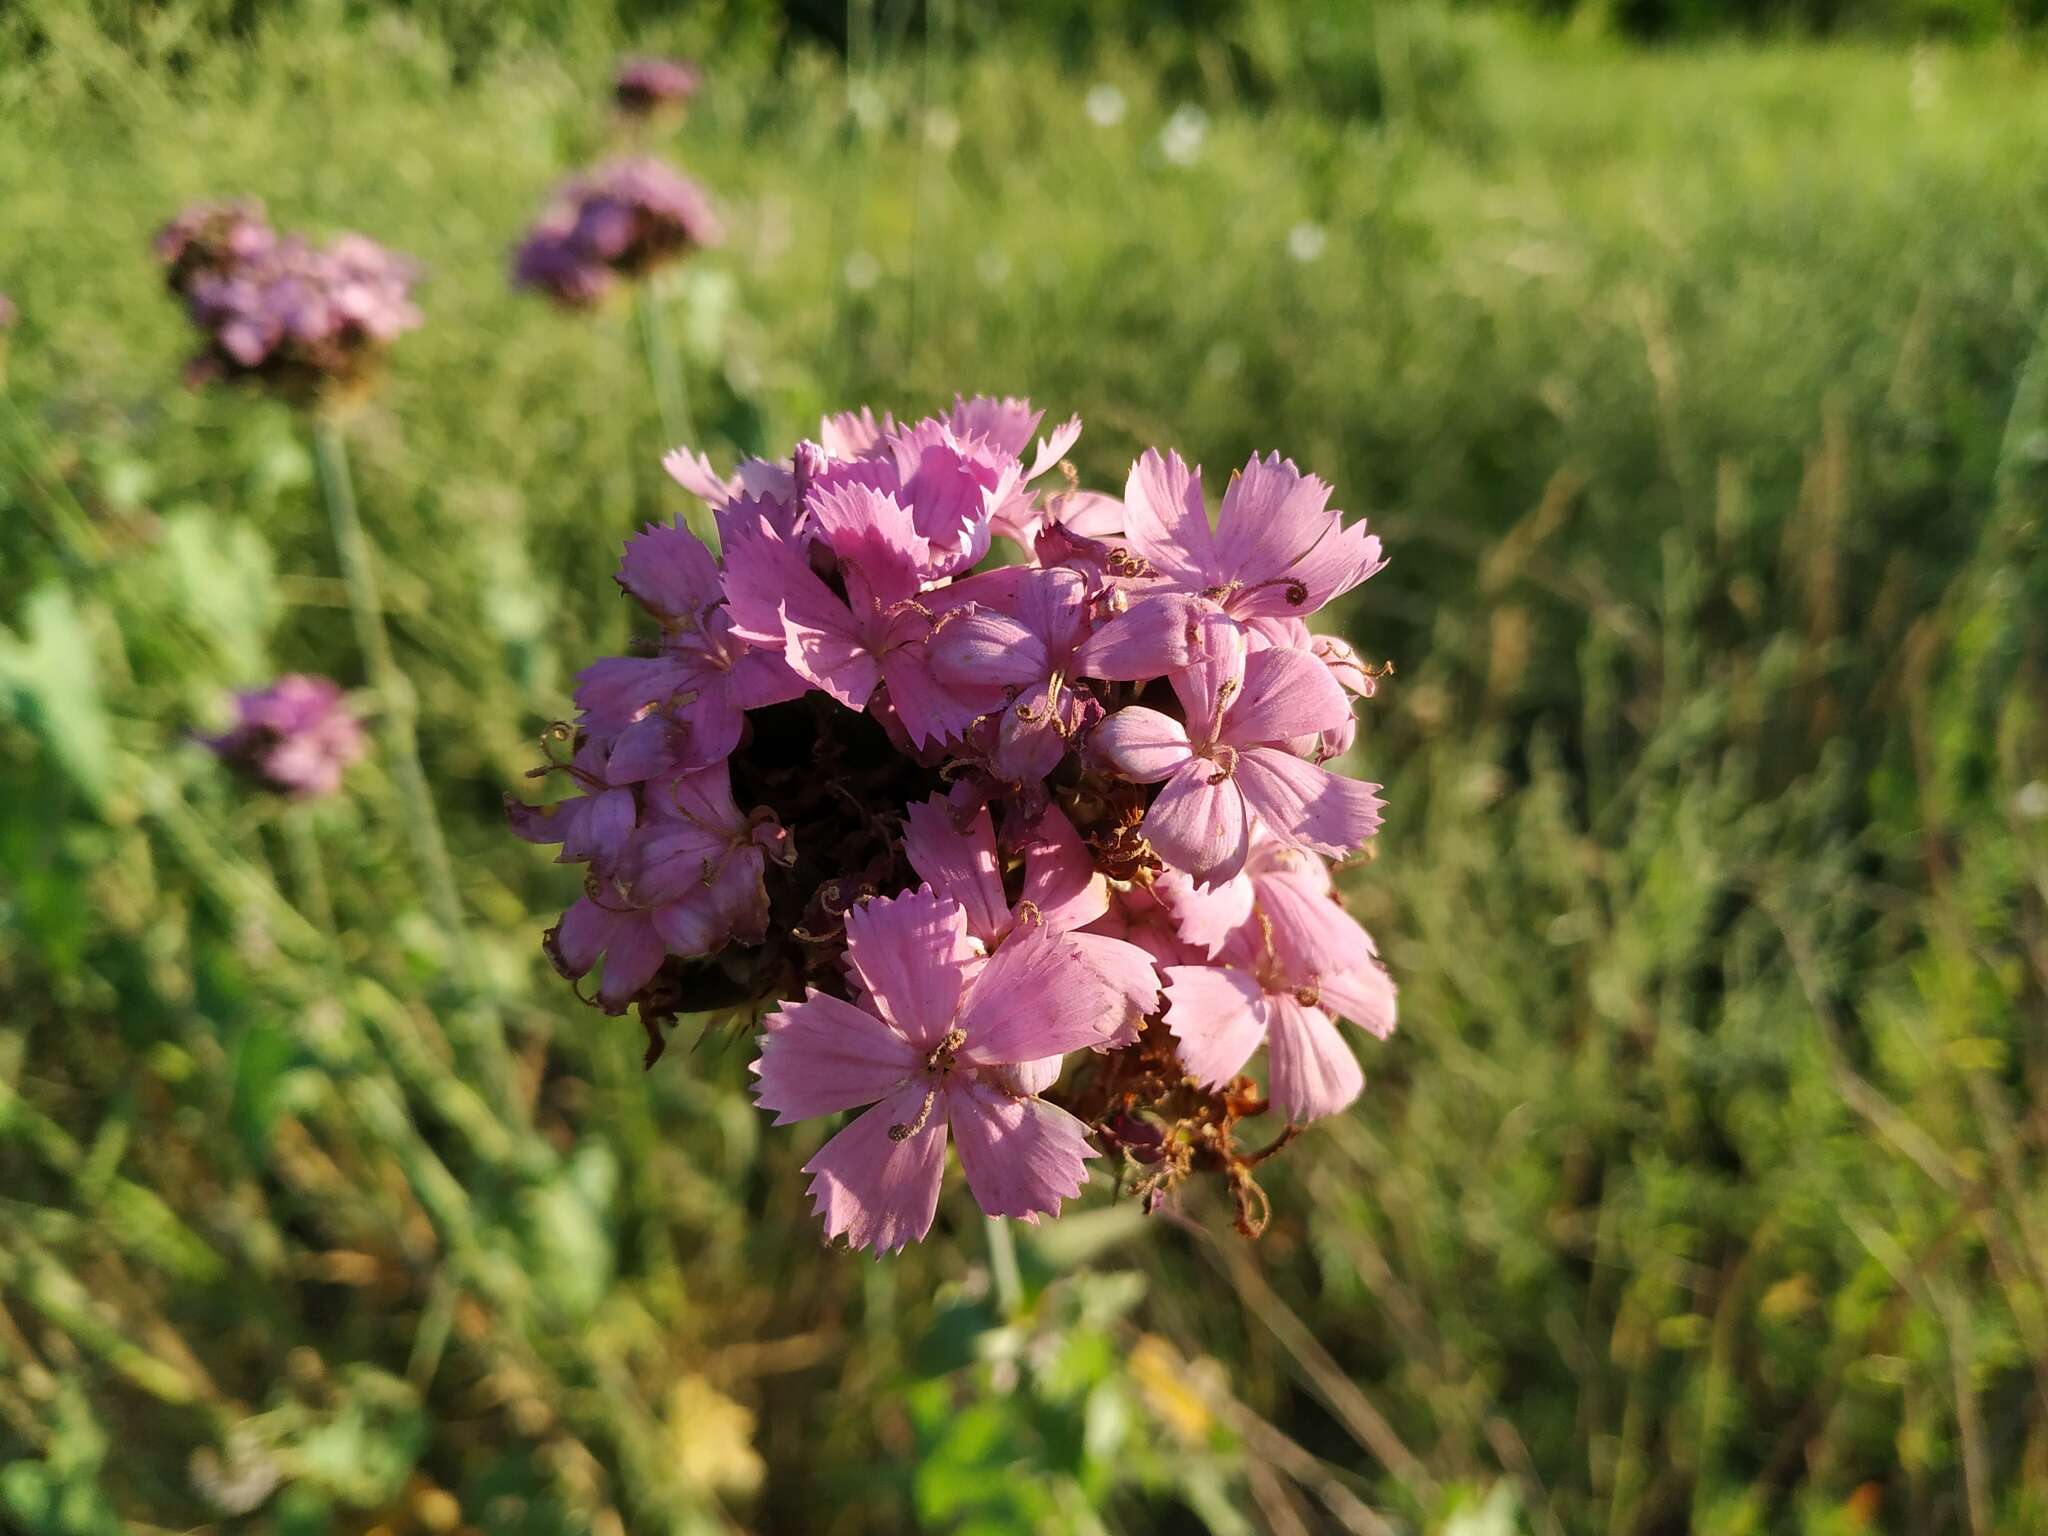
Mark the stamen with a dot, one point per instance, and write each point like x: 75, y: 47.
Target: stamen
x: 904, y: 1132
x: 1225, y: 759
x: 941, y: 1055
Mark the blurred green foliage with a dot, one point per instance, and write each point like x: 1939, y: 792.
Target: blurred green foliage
x: 1703, y: 403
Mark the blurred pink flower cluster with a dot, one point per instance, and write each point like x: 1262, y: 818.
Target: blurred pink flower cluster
x: 294, y: 737
x: 1028, y: 855
x: 276, y: 308
x: 645, y: 85
x: 617, y: 222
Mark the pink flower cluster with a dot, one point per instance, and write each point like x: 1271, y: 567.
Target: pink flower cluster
x: 617, y: 222
x: 996, y: 816
x: 645, y: 85
x: 294, y: 737
x: 279, y: 309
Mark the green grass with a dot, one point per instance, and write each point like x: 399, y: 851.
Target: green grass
x: 1701, y: 401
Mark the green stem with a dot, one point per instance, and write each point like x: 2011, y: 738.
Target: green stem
x: 308, y: 872
x: 1002, y: 1263
x: 394, y: 689
x: 671, y: 397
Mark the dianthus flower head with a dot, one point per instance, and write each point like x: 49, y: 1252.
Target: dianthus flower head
x: 645, y: 85
x: 293, y: 737
x: 616, y: 223
x: 298, y: 318
x: 1028, y: 857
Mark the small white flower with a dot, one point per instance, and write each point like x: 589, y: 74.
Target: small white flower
x: 1105, y: 105
x: 1181, y: 139
x: 1306, y: 240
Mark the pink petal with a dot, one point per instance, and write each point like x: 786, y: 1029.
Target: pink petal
x: 1311, y: 1070
x: 823, y: 1055
x: 1207, y: 688
x: 760, y: 678
x: 670, y: 571
x: 1340, y: 562
x: 960, y: 863
x: 1142, y: 744
x: 1312, y: 935
x: 1286, y: 693
x: 693, y: 472
x: 1218, y: 1018
x: 873, y: 531
x: 1206, y: 915
x: 542, y: 823
x: 599, y: 834
x: 911, y: 955
x: 1030, y: 738
x: 984, y: 646
x: 611, y: 692
x: 1198, y: 823
x: 929, y: 709
x: 704, y: 798
x: 1272, y: 515
x: 631, y: 958
x: 584, y: 931
x: 1130, y: 976
x: 1305, y: 805
x: 1038, y: 996
x: 1091, y: 514
x: 1022, y: 1157
x: 1137, y: 916
x: 1054, y: 448
x: 1165, y: 521
x: 1158, y: 634
x: 875, y: 1191
x: 1365, y: 996
x: 1059, y: 877
x: 691, y: 731
x: 766, y: 574
x: 730, y: 907
x: 1005, y: 424
x: 854, y: 436
x: 835, y: 659
x: 1053, y: 605
x: 1022, y: 1079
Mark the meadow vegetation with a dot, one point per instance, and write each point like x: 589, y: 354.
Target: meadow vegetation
x: 1702, y: 401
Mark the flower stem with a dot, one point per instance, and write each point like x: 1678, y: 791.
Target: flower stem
x: 394, y: 689
x: 671, y: 395
x: 1002, y: 1263
x: 302, y: 843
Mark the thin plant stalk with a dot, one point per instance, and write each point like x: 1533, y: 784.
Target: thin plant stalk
x: 671, y: 395
x: 394, y: 688
x: 1002, y: 1264
x: 309, y: 874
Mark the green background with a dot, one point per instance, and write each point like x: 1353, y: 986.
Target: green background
x: 1699, y: 393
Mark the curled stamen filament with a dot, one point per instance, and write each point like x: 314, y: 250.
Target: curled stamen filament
x: 907, y: 1129
x: 1225, y: 759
